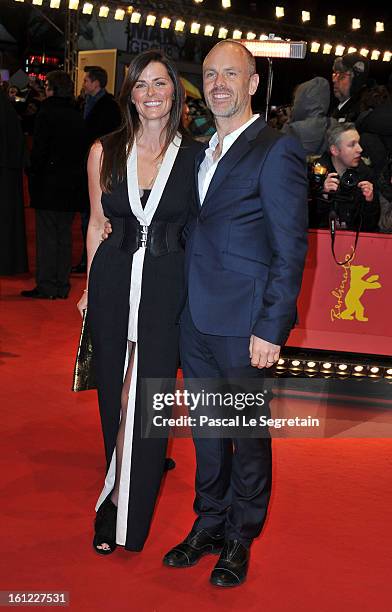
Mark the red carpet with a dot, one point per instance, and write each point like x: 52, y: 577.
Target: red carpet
x: 326, y: 545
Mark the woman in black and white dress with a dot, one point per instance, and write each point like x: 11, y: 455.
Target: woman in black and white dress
x: 140, y: 177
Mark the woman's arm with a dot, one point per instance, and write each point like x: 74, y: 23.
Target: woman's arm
x: 97, y: 218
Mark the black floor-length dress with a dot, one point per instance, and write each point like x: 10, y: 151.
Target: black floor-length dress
x: 162, y: 293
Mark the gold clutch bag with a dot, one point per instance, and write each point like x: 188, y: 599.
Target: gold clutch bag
x: 84, y: 377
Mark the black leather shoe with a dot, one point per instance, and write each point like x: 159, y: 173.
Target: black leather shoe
x: 79, y: 269
x: 36, y: 293
x: 170, y: 464
x: 196, y: 545
x: 232, y: 567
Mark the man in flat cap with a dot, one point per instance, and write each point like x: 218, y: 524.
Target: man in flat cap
x: 349, y: 77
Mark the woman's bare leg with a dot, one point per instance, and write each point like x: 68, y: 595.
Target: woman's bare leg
x: 121, y: 430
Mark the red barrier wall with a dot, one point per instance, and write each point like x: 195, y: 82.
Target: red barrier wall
x: 346, y: 308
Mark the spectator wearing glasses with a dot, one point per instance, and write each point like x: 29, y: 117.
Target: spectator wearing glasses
x: 349, y: 78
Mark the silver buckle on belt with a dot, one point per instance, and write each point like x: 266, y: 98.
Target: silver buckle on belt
x: 144, y: 234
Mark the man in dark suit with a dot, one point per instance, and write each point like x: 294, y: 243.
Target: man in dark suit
x: 245, y: 255
x: 101, y: 115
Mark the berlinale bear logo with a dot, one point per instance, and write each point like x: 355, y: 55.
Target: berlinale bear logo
x: 352, y: 297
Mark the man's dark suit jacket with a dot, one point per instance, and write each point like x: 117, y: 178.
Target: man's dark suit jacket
x: 103, y: 118
x: 246, y: 244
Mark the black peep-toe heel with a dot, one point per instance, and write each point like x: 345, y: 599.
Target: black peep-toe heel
x: 105, y: 527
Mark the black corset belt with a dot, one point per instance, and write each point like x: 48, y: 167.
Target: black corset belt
x: 159, y: 238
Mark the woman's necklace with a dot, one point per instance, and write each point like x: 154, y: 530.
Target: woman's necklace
x: 157, y: 166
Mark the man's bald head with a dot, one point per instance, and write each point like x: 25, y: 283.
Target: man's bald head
x: 247, y: 54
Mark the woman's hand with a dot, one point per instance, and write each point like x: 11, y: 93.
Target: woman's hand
x: 82, y: 304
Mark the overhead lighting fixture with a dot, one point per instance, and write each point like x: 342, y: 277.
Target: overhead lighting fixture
x: 250, y: 36
x: 352, y: 50
x: 339, y: 50
x: 226, y: 4
x: 208, y: 30
x: 358, y: 368
x: 136, y: 17
x: 19, y: 0
x: 87, y: 8
x: 103, y: 11
x: 356, y: 24
x: 119, y: 14
x: 165, y: 23
x: 73, y: 5
x: 263, y: 37
x: 198, y: 1
x: 387, y: 56
x: 379, y: 26
x: 237, y: 34
x: 314, y: 47
x: 180, y: 25
x: 279, y: 11
x: 276, y: 48
x: 281, y: 361
x: 195, y: 28
x: 37, y: 2
x: 150, y: 21
x: 375, y: 55
x: 273, y: 48
x: 327, y: 48
x: 55, y: 4
x: 331, y: 20
x: 305, y: 16
x: 364, y: 52
x: 327, y: 365
x: 222, y: 33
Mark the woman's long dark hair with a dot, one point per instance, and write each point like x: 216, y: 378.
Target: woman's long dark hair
x: 117, y: 145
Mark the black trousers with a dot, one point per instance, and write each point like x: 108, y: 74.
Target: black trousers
x: 54, y: 251
x: 233, y: 476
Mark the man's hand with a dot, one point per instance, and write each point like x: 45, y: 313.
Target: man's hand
x: 331, y: 183
x: 107, y: 230
x: 263, y: 354
x: 367, y: 190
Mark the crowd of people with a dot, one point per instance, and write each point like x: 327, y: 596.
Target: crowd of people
x: 350, y: 139
x: 60, y: 154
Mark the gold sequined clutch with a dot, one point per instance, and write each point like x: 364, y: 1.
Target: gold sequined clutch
x: 84, y: 377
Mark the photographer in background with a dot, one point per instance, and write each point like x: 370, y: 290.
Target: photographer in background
x: 341, y: 184
x: 349, y: 79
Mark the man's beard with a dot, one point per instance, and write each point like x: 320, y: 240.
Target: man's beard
x: 228, y: 112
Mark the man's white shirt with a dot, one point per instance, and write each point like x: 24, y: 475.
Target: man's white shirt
x: 208, y: 165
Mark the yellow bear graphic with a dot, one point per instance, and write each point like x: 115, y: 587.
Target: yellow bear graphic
x: 358, y: 286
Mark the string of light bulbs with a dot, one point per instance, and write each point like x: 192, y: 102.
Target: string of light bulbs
x: 135, y: 16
